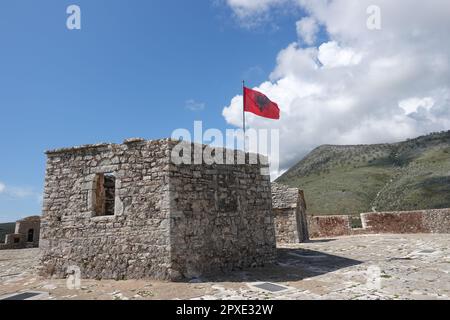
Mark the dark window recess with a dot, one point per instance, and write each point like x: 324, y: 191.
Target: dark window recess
x: 30, y: 237
x: 16, y: 240
x: 105, y: 193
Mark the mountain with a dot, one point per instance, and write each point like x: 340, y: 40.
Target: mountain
x: 6, y: 228
x: 409, y: 175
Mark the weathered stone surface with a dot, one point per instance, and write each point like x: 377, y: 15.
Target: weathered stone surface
x: 329, y: 226
x: 399, y: 222
x: 289, y: 208
x: 170, y: 221
x: 394, y: 267
x: 422, y: 221
x: 26, y: 234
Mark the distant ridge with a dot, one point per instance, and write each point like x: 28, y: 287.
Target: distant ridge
x: 409, y: 175
x: 6, y: 228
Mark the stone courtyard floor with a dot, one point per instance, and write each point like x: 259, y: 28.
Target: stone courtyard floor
x: 358, y: 267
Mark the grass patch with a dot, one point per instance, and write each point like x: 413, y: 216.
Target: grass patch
x: 6, y: 228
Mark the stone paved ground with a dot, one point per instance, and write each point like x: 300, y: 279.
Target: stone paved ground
x: 359, y: 267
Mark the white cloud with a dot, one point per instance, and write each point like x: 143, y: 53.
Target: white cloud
x: 194, y: 105
x: 20, y: 192
x: 245, y: 8
x: 307, y: 29
x: 251, y: 13
x: 331, y: 55
x: 360, y: 85
x: 413, y: 104
x: 17, y: 192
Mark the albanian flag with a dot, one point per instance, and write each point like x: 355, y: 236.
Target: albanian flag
x: 257, y: 103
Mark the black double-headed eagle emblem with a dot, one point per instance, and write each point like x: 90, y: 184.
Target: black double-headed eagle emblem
x: 262, y: 102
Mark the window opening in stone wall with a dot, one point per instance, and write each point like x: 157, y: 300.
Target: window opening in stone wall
x: 30, y: 237
x: 105, y: 194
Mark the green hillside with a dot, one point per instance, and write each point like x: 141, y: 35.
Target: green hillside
x: 6, y: 228
x: 409, y: 175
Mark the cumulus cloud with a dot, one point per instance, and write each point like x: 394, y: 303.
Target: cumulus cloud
x: 307, y: 29
x: 359, y: 85
x: 331, y: 55
x: 413, y: 104
x: 2, y: 187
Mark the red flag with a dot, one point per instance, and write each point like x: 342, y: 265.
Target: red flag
x: 257, y: 103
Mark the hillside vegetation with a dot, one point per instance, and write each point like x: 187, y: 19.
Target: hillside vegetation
x: 6, y: 228
x: 409, y: 175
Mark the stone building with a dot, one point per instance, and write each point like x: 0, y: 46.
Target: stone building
x: 26, y: 234
x: 289, y: 209
x: 127, y: 211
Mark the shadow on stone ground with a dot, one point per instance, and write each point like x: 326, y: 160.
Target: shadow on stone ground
x: 291, y: 265
x: 320, y: 240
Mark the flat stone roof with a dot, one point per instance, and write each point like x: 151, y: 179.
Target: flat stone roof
x: 95, y: 146
x: 58, y: 151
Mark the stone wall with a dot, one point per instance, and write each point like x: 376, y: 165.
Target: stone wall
x: 222, y: 217
x: 399, y: 222
x: 422, y: 221
x: 329, y: 226
x: 289, y: 208
x: 26, y: 234
x: 132, y: 243
x: 170, y: 221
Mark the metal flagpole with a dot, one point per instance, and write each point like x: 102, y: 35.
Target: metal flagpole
x: 243, y: 112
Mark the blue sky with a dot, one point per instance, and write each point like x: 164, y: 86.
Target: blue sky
x: 127, y: 73
x: 137, y: 68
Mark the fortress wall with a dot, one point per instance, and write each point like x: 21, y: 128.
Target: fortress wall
x: 422, y: 221
x: 396, y: 222
x: 329, y: 226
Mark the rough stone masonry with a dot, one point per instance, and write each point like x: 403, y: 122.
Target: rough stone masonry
x: 395, y: 222
x: 289, y: 208
x: 128, y: 212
